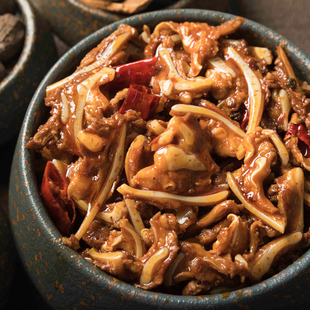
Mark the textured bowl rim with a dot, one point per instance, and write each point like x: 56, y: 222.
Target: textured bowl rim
x: 250, y: 294
x: 30, y: 29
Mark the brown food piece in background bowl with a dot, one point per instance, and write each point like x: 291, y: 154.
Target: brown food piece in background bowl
x: 12, y: 33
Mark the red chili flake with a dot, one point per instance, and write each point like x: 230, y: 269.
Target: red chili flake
x: 138, y: 72
x: 139, y: 98
x: 54, y: 193
x: 299, y: 130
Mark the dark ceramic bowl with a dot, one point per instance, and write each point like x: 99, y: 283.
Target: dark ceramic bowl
x: 7, y: 259
x: 65, y: 279
x: 36, y: 58
x: 73, y: 20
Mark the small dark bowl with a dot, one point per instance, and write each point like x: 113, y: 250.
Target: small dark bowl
x: 72, y: 20
x: 36, y: 58
x: 66, y: 279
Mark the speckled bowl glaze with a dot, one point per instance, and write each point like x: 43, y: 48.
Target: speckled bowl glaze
x: 7, y: 259
x: 65, y: 279
x: 73, y: 20
x: 36, y: 58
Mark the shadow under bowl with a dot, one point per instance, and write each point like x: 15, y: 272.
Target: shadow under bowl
x: 37, y: 57
x: 64, y: 278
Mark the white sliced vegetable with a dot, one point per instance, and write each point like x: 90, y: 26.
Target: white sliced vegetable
x: 180, y: 84
x: 202, y: 111
x: 277, y: 222
x: 288, y: 67
x: 220, y: 65
x: 291, y: 199
x: 156, y: 196
x: 61, y: 166
x: 168, y: 280
x: 151, y: 264
x: 103, y: 76
x: 277, y: 142
x: 256, y: 99
x: 108, y: 53
x: 65, y: 109
x: 135, y: 216
x: 262, y: 53
x: 113, y: 215
x: 266, y: 255
x: 102, y: 195
x: 133, y: 236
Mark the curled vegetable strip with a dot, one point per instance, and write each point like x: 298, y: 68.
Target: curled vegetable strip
x: 102, y: 196
x: 291, y: 198
x: 168, y: 280
x: 194, y: 84
x: 256, y: 100
x: 288, y: 67
x: 156, y: 259
x: 103, y: 76
x: 220, y: 65
x: 203, y: 111
x: 65, y: 109
x: 265, y: 256
x: 277, y: 221
x: 110, y: 257
x: 116, y: 211
x: 172, y: 200
x: 109, y: 52
x: 283, y: 153
x: 132, y: 235
x: 215, y: 215
x: 135, y: 215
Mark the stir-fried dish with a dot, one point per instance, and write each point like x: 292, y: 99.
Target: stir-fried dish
x: 178, y: 159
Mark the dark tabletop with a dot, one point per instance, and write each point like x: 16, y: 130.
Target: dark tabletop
x: 288, y: 17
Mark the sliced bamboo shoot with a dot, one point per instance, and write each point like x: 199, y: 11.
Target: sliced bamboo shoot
x: 151, y: 264
x: 108, y: 53
x: 116, y: 166
x: 266, y: 255
x: 162, y: 198
x: 256, y: 99
x: 277, y: 142
x: 202, y: 111
x: 276, y: 221
x: 220, y: 65
x: 103, y: 76
x: 180, y: 84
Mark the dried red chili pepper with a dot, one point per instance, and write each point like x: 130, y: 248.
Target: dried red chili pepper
x: 139, y: 98
x: 54, y: 192
x: 138, y: 72
x: 299, y: 130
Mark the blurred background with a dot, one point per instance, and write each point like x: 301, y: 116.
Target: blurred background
x: 290, y: 18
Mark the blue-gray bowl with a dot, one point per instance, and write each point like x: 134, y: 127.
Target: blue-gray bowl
x: 65, y: 279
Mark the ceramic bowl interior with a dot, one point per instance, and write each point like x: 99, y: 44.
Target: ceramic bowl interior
x: 37, y: 236
x: 37, y: 56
